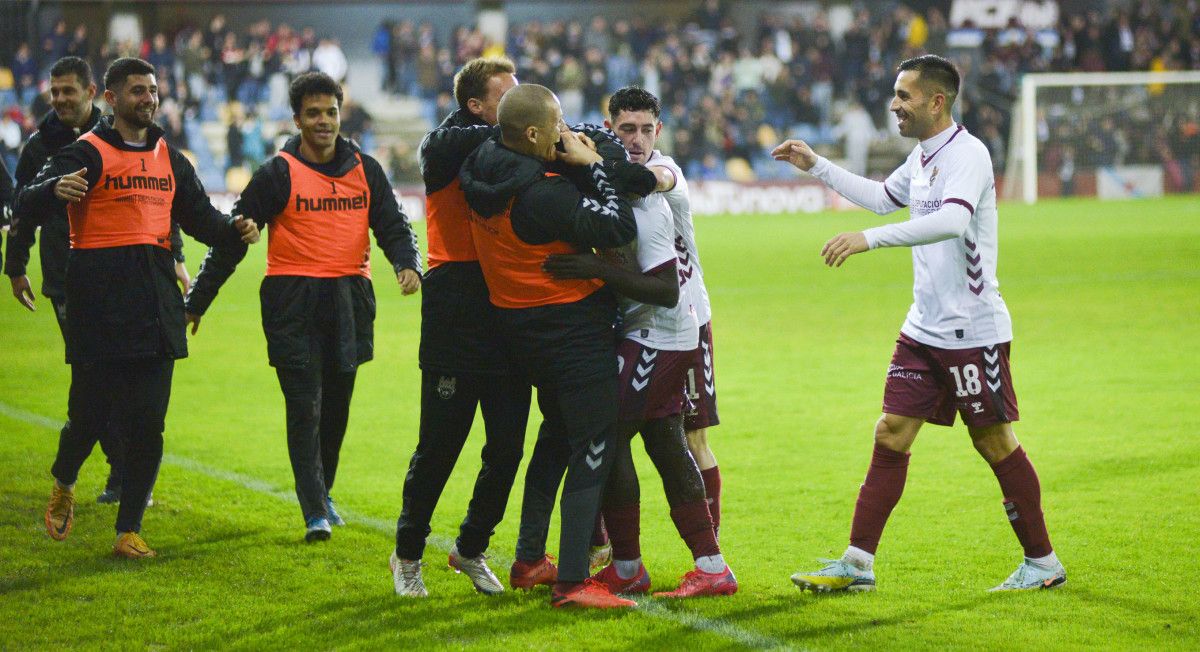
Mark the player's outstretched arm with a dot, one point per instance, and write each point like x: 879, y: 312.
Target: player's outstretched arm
x: 949, y: 221
x: 196, y: 215
x: 878, y: 197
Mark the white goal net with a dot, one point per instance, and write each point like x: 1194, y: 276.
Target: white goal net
x: 1110, y: 135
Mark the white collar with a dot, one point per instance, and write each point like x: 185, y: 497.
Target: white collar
x: 932, y: 143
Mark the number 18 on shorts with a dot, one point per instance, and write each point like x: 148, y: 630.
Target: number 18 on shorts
x: 932, y: 384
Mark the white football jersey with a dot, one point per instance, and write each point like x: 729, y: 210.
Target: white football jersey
x: 956, y: 295
x: 691, y: 276
x: 668, y: 329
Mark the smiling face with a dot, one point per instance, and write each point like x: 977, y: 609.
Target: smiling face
x: 917, y: 106
x: 319, y: 121
x: 71, y: 100
x: 638, y: 131
x: 136, y: 101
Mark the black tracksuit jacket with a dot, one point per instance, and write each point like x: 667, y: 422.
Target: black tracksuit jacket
x: 52, y: 135
x: 290, y: 304
x: 458, y: 324
x: 564, y: 343
x: 458, y: 327
x: 123, y: 302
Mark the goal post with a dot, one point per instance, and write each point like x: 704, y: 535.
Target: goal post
x: 1091, y: 111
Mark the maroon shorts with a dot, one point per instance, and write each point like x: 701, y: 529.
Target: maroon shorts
x: 931, y: 383
x: 651, y: 381
x: 701, y: 385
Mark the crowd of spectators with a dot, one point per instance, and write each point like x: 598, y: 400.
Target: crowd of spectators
x: 728, y: 93
x: 206, y: 73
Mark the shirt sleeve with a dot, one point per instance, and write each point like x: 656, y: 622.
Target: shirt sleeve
x: 677, y: 196
x: 36, y: 200
x: 264, y: 197
x: 192, y: 208
x: 949, y: 221
x: 553, y: 208
x: 388, y: 222
x: 968, y: 176
x: 877, y: 197
x: 656, y: 236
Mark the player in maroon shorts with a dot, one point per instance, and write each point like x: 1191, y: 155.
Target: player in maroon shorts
x: 701, y: 411
x: 952, y: 354
x: 659, y: 336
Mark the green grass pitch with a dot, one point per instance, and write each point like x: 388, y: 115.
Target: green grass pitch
x: 1105, y: 300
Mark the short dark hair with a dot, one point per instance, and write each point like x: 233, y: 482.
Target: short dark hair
x: 312, y: 83
x: 524, y: 106
x: 471, y: 80
x: 120, y: 70
x: 73, y: 66
x: 935, y: 70
x: 633, y: 98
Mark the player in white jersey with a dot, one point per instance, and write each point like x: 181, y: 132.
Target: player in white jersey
x: 952, y: 354
x: 701, y: 382
x: 659, y: 334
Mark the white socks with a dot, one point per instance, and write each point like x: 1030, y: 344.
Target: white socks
x: 1049, y: 562
x: 711, y: 564
x: 627, y: 569
x: 859, y: 558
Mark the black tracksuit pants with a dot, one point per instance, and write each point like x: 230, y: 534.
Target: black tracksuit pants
x: 134, y: 393
x: 317, y: 402
x: 110, y: 439
x: 578, y: 428
x: 567, y: 351
x: 448, y: 405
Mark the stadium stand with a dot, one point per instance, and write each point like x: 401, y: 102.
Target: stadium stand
x: 732, y: 85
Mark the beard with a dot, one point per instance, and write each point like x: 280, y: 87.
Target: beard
x: 134, y: 116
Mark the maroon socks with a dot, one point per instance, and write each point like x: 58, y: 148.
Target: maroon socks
x: 1023, y: 502
x: 879, y: 494
x: 625, y: 530
x: 694, y: 524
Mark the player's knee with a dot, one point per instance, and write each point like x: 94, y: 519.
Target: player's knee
x: 994, y: 445
x: 697, y: 440
x: 893, y: 434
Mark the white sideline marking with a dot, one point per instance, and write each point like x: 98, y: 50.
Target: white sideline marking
x: 649, y: 606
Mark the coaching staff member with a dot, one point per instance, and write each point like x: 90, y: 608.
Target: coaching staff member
x: 463, y: 361
x: 320, y: 196
x: 71, y: 93
x: 560, y: 331
x: 125, y: 323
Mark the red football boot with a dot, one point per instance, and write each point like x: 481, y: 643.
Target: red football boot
x: 526, y: 575
x: 590, y: 594
x: 697, y: 583
x: 608, y: 576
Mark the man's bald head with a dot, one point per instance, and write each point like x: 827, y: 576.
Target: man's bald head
x: 525, y: 106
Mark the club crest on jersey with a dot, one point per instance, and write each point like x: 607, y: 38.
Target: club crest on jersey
x: 446, y: 386
x: 933, y: 175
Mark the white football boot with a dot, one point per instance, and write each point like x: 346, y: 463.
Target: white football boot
x: 406, y: 577
x: 836, y: 575
x: 1030, y: 577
